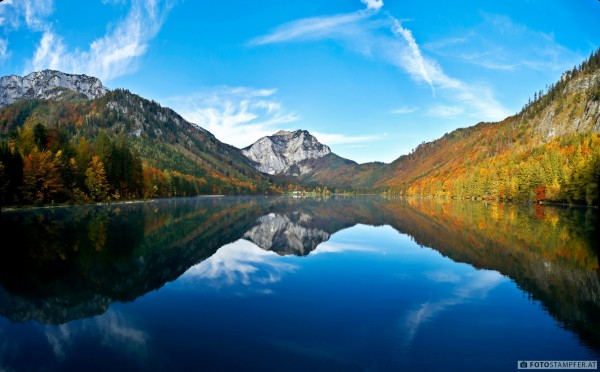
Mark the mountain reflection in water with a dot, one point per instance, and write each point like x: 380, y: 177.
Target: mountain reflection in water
x: 74, y: 262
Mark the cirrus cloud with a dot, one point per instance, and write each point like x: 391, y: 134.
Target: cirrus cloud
x: 112, y: 55
x: 501, y: 44
x: 30, y: 13
x: 386, y: 38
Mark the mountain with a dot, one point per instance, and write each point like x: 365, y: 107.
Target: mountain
x: 550, y: 151
x: 48, y: 84
x: 59, y: 123
x: 297, y: 154
x: 96, y: 144
x: 167, y: 141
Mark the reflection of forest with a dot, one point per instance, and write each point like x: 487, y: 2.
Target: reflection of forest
x: 74, y: 262
x: 548, y: 251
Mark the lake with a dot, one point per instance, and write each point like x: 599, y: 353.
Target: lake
x: 293, y: 284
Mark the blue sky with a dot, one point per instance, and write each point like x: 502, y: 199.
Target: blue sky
x: 372, y: 79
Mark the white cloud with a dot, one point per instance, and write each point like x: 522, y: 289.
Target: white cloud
x: 404, y: 110
x: 498, y: 43
x: 477, y: 101
x: 36, y: 13
x: 385, y: 38
x: 445, y: 111
x: 488, y: 60
x: 31, y: 13
x: 110, y: 56
x: 451, y: 41
x: 312, y: 28
x: 27, y: 13
x: 337, y: 139
x: 3, y: 49
x: 236, y: 115
x: 412, y: 59
x: 49, y: 53
x: 373, y: 4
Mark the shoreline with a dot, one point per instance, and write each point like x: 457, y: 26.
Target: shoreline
x: 115, y: 202
x: 137, y: 201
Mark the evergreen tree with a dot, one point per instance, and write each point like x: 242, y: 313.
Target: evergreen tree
x: 40, y: 136
x: 11, y: 178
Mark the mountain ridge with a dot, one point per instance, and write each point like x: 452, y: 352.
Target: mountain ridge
x: 297, y: 154
x: 550, y: 151
x: 48, y: 84
x: 142, y: 150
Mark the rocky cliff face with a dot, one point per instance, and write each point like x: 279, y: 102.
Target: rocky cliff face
x: 48, y: 84
x: 282, y: 152
x: 575, y: 111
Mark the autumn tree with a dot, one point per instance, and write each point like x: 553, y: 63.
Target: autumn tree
x: 26, y: 140
x: 95, y: 179
x: 41, y: 178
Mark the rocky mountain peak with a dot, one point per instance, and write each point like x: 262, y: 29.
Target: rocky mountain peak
x: 48, y: 84
x: 283, y: 151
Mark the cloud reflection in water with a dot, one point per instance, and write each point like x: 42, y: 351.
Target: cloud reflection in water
x: 111, y: 330
x: 241, y: 262
x: 471, y: 285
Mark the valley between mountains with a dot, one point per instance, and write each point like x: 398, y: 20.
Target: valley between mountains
x: 66, y: 138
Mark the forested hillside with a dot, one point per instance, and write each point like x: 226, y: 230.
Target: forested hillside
x: 549, y: 151
x: 119, y: 146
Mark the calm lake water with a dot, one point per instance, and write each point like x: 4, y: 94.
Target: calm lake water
x: 283, y: 284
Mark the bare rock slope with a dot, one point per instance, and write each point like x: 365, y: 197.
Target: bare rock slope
x: 297, y: 154
x: 48, y: 84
